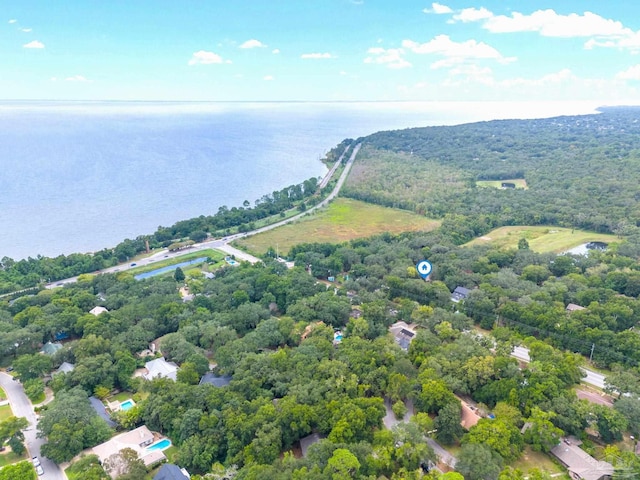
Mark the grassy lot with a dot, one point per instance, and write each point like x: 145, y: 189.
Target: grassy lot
x: 531, y: 459
x: 541, y: 239
x: 120, y: 397
x: 343, y: 220
x: 519, y: 183
x: 215, y: 255
x: 5, y: 412
x: 3, y: 396
x: 9, y: 458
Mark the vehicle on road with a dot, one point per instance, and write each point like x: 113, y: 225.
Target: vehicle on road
x: 133, y: 264
x: 40, y: 470
x: 10, y: 368
x: 36, y: 461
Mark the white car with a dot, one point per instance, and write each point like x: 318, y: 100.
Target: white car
x: 39, y: 470
x: 35, y: 461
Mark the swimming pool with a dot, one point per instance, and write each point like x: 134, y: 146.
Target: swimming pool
x: 161, y: 445
x: 127, y: 405
x: 170, y: 268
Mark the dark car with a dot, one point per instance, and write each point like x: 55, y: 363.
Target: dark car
x: 133, y: 264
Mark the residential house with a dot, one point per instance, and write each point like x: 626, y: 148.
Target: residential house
x: 459, y: 294
x: 51, y: 348
x: 160, y: 368
x: 309, y: 440
x: 403, y: 334
x: 572, y: 307
x: 100, y: 409
x: 98, y: 310
x: 137, y: 440
x: 580, y: 464
x: 169, y: 471
x: 216, y: 380
x: 65, y: 367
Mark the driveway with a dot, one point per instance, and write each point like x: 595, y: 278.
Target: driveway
x: 22, y: 407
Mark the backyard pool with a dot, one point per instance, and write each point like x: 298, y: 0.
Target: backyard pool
x: 161, y: 445
x: 127, y: 405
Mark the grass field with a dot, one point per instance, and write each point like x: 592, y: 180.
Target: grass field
x: 519, y: 183
x: 3, y: 396
x: 9, y: 458
x: 344, y: 219
x: 5, y: 412
x: 531, y: 459
x: 541, y: 239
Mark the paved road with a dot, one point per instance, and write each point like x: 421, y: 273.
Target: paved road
x: 330, y: 173
x: 592, y: 378
x: 22, y: 407
x: 443, y: 455
x: 223, y: 243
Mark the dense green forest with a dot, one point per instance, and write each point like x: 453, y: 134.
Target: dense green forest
x: 273, y: 329
x: 582, y: 171
x: 252, y: 320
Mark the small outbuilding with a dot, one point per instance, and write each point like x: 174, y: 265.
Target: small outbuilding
x: 572, y: 307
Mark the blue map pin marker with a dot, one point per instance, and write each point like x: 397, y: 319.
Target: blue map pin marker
x: 424, y: 269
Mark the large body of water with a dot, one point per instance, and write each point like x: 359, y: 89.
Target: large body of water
x: 79, y: 177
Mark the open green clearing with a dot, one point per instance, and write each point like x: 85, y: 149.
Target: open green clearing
x: 9, y: 458
x: 343, y: 220
x: 518, y: 182
x: 5, y: 412
x: 3, y: 396
x: 541, y: 239
x: 532, y: 459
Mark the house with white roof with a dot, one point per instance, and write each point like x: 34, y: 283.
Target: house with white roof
x: 137, y: 440
x: 160, y: 368
x: 98, y: 310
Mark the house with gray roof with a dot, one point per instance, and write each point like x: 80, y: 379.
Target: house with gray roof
x: 216, y: 380
x: 51, y: 348
x: 160, y: 368
x: 100, y: 409
x: 65, y: 367
x: 459, y: 294
x: 169, y: 471
x: 581, y: 465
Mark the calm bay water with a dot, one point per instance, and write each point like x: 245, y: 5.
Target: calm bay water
x: 78, y: 177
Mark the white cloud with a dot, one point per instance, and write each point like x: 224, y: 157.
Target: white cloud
x: 13, y: 20
x: 562, y: 76
x: 391, y: 57
x: 76, y: 78
x: 26, y: 30
x: 253, y: 43
x: 472, y: 14
x: 34, y: 44
x: 438, y: 9
x: 316, y: 55
x: 456, y: 52
x: 268, y: 78
x: 54, y: 79
x: 631, y: 73
x: 275, y: 51
x: 202, y: 57
x: 548, y: 23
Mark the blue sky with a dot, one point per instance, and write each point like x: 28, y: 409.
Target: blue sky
x: 320, y: 50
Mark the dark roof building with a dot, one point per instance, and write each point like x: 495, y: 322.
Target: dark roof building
x: 216, y: 380
x: 98, y: 406
x: 169, y: 471
x: 580, y: 464
x: 460, y: 293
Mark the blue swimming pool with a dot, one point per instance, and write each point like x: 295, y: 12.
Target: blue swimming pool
x: 170, y: 268
x: 127, y: 405
x: 161, y: 445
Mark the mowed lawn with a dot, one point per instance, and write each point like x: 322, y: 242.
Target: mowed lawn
x: 344, y: 219
x: 541, y: 239
x: 518, y: 182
